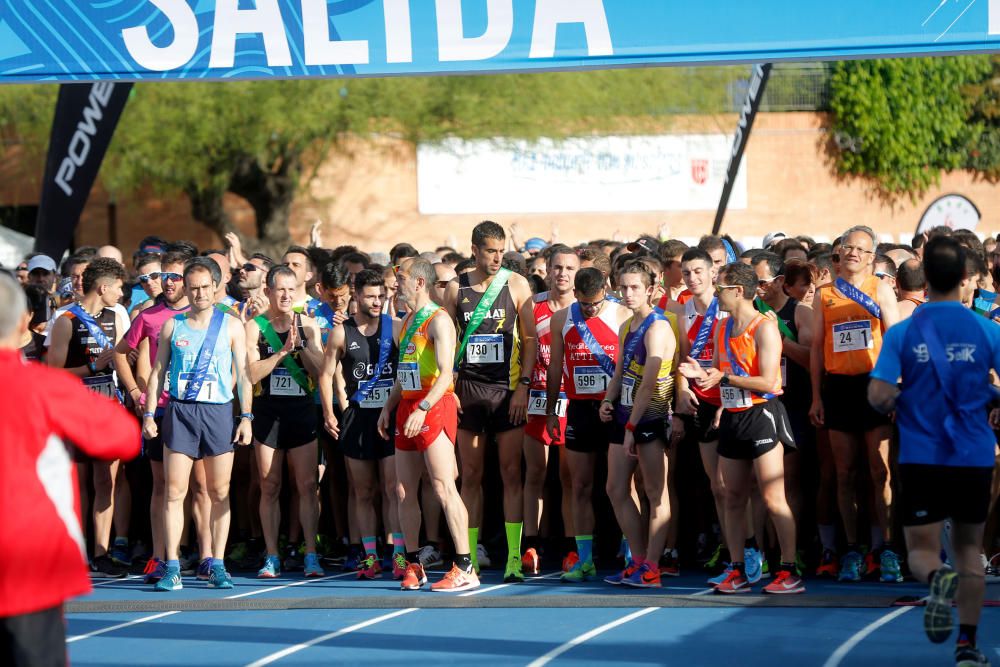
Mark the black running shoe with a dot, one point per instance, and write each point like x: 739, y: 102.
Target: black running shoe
x: 105, y: 568
x: 967, y: 655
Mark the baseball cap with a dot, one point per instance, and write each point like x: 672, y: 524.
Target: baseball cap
x: 535, y: 244
x: 42, y: 262
x: 643, y: 243
x: 771, y: 237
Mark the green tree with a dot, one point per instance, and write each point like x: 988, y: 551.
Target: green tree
x: 901, y: 122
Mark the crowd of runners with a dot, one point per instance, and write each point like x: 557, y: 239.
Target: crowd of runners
x: 797, y: 410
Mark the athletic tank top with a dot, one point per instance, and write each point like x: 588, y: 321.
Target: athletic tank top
x: 543, y: 329
x: 417, y: 369
x: 583, y: 379
x: 82, y: 348
x: 692, y: 325
x: 744, y: 350
x: 360, y: 359
x: 493, y: 353
x: 663, y: 393
x: 185, y: 343
x: 853, y: 336
x: 280, y: 386
x: 795, y: 378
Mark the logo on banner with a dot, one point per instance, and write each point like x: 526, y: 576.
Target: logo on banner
x: 699, y: 171
x: 86, y: 129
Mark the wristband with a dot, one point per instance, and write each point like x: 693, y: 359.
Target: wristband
x: 608, y: 401
x: 92, y: 368
x: 247, y: 415
x: 148, y: 415
x: 630, y: 427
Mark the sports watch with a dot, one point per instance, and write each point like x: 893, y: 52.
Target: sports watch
x: 424, y: 405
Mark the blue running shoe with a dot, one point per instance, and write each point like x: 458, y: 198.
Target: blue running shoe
x: 617, y: 579
x: 271, y: 569
x: 219, y: 578
x: 171, y: 581
x: 718, y: 579
x: 119, y: 553
x: 889, y: 565
x: 312, y: 567
x: 850, y: 567
x: 754, y: 561
x: 644, y: 577
x: 353, y: 561
x: 155, y: 569
x: 205, y: 569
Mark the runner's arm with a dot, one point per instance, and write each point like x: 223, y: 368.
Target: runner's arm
x: 615, y: 385
x: 442, y: 332
x: 143, y: 366
x: 159, y: 372
x: 312, y: 354
x: 62, y: 331
x: 529, y: 333
x: 451, y: 299
x: 768, y: 340
x: 804, y: 324
x: 659, y: 337
x: 554, y: 373
x: 331, y: 361
x: 244, y: 387
x: 816, y: 360
x: 890, y: 307
x: 258, y: 368
x: 882, y: 388
x: 129, y: 380
x: 796, y: 351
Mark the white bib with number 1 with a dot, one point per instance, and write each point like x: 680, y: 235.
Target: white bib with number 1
x: 850, y: 336
x: 590, y: 380
x: 735, y: 399
x: 485, y: 349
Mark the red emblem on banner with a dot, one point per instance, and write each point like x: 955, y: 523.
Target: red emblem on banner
x: 699, y: 171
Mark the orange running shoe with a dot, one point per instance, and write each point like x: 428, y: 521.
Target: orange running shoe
x: 828, y: 566
x: 571, y: 559
x: 530, y: 562
x: 456, y: 581
x: 414, y: 578
x: 786, y: 583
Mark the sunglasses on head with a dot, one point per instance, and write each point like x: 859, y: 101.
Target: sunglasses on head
x: 146, y: 277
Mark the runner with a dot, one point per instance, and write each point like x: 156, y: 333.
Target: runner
x: 912, y: 286
x: 366, y: 351
x: 82, y: 341
x: 670, y: 254
x: 496, y: 356
x: 206, y: 354
x: 561, y: 268
x: 298, y: 260
x: 753, y: 426
x: 946, y: 446
x: 582, y: 362
x: 284, y: 351
x: 851, y: 317
x: 639, y: 400
x: 148, y: 267
x: 425, y: 426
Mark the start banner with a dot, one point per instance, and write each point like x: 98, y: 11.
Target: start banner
x: 79, y: 40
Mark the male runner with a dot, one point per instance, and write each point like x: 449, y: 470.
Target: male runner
x: 912, y: 286
x: 298, y: 260
x: 495, y: 359
x: 946, y: 445
x: 561, y: 268
x: 851, y: 316
x: 82, y: 341
x: 283, y: 352
x: 582, y: 363
x: 639, y: 400
x: 425, y: 425
x: 204, y: 352
x: 365, y: 349
x: 753, y: 426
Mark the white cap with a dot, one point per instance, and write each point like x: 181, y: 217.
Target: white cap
x: 42, y: 262
x: 771, y: 237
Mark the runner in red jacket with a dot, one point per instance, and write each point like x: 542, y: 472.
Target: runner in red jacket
x: 42, y: 410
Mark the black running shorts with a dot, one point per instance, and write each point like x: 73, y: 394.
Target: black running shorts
x: 284, y: 425
x: 930, y: 493
x: 585, y: 432
x: 751, y: 433
x: 485, y: 407
x: 359, y: 438
x: 845, y: 404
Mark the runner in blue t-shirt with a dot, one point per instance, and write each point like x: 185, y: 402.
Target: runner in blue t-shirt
x: 943, y: 352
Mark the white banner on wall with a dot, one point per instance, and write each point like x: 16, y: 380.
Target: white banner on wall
x: 594, y: 174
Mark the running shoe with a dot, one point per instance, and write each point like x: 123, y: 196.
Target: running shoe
x: 669, y: 564
x: 171, y: 581
x: 754, y: 561
x: 312, y: 568
x: 719, y: 578
x: 398, y: 566
x: 219, y: 578
x: 205, y: 569
x: 580, y: 572
x: 530, y: 563
x: 735, y: 582
x: 992, y: 568
x: 889, y: 565
x: 765, y: 567
x: 189, y: 564
x: 786, y: 583
x: 369, y: 568
x: 850, y: 567
x: 571, y: 559
x: 271, y: 569
x: 238, y: 553
x: 714, y: 561
x: 513, y: 574
x: 154, y: 571
x: 119, y: 554
x: 617, y: 579
x: 871, y: 567
x: 643, y: 577
x: 105, y: 568
x: 353, y: 560
x: 938, y: 620
x: 482, y: 557
x: 414, y: 578
x: 967, y: 655
x: 430, y: 556
x: 800, y: 562
x: 827, y: 564
x: 293, y: 560
x: 456, y: 581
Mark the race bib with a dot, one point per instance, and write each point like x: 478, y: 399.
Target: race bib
x: 590, y: 380
x: 734, y: 399
x: 378, y: 395
x: 628, y: 392
x: 784, y: 372
x: 538, y: 401
x: 103, y: 385
x: 209, y: 392
x: 850, y: 336
x: 283, y: 384
x: 485, y: 349
x: 409, y: 376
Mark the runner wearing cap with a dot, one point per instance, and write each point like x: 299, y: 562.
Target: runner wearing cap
x: 42, y: 271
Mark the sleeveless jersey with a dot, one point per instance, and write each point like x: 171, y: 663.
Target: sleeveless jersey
x: 663, y: 393
x: 360, y: 360
x: 417, y: 371
x: 280, y: 386
x: 83, y: 349
x: 853, y: 337
x: 185, y: 343
x: 744, y: 350
x: 543, y: 328
x: 583, y: 378
x: 692, y: 325
x: 493, y: 353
